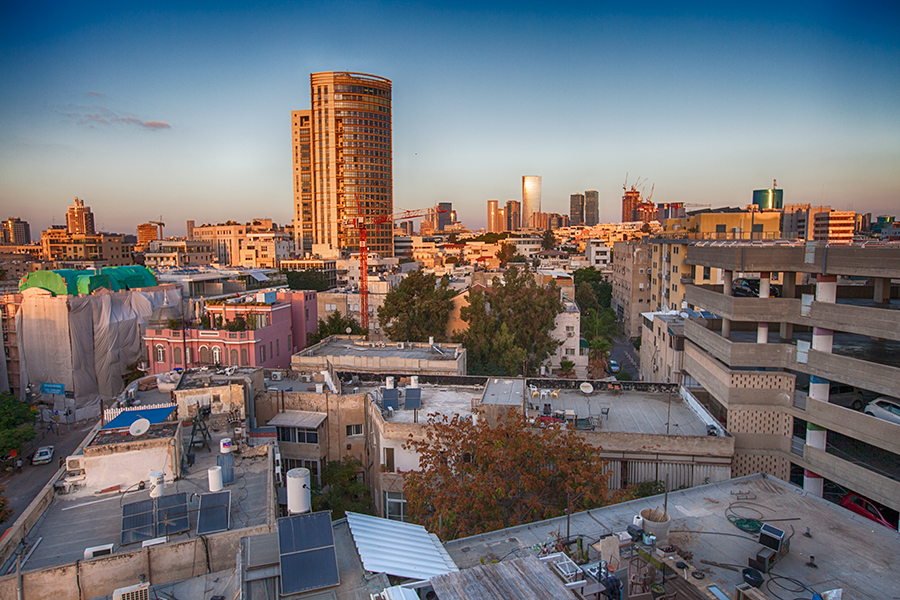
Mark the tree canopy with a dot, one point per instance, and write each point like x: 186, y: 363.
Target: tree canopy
x: 509, y: 324
x: 478, y: 477
x: 336, y: 324
x: 548, y: 240
x: 343, y: 489
x: 601, y: 288
x: 505, y: 253
x: 16, y: 423
x: 417, y: 309
x: 307, y: 279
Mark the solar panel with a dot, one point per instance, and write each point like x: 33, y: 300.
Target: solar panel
x: 138, y: 522
x: 215, y: 509
x: 307, y: 559
x: 390, y: 399
x: 413, y: 398
x: 172, y: 514
x: 226, y: 461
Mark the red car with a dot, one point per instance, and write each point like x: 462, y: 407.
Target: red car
x: 865, y: 507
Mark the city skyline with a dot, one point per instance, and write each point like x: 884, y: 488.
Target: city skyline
x: 184, y: 113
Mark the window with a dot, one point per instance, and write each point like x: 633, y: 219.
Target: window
x: 176, y: 355
x: 570, y: 351
x: 583, y: 351
x: 297, y: 435
x: 262, y: 353
x: 707, y: 273
x: 160, y: 353
x: 188, y: 356
x: 243, y: 357
x: 395, y: 506
x: 277, y: 347
x: 217, y: 355
x: 389, y: 459
x: 312, y: 465
x: 289, y: 347
x: 570, y: 329
x: 234, y: 357
x: 354, y: 430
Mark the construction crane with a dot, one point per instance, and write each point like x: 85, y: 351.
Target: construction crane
x: 159, y: 224
x: 362, y: 223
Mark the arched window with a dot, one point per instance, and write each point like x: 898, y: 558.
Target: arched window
x: 217, y: 355
x: 160, y: 353
x: 204, y: 355
x: 188, y: 356
x: 176, y: 355
x: 243, y: 357
x: 234, y: 357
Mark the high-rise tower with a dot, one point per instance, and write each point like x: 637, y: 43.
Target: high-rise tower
x: 591, y: 208
x: 494, y: 217
x: 343, y: 161
x: 79, y: 218
x: 512, y: 216
x: 531, y: 197
x: 576, y: 209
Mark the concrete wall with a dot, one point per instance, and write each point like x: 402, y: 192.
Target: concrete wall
x: 863, y: 481
x: 832, y: 260
x: 851, y: 423
x: 230, y: 397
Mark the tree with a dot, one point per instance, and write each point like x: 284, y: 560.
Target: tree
x: 417, y: 309
x: 343, y: 489
x: 336, y: 324
x: 586, y: 298
x: 548, y: 240
x: 528, y: 312
x: 505, y: 253
x: 477, y: 476
x: 598, y: 356
x: 594, y: 278
x: 307, y: 279
x: 16, y: 423
x: 566, y: 368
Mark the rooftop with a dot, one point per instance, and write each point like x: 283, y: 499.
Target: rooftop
x: 850, y: 552
x: 345, y: 346
x: 441, y: 399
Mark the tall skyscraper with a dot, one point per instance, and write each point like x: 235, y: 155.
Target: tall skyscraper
x: 531, y: 196
x: 15, y: 231
x: 343, y: 161
x: 79, y: 218
x: 630, y: 201
x: 576, y: 209
x: 513, y: 215
x: 494, y: 217
x: 591, y: 208
x: 445, y: 218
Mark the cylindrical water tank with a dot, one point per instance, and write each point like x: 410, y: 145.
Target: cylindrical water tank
x: 389, y: 383
x: 215, y: 478
x: 157, y: 484
x: 414, y: 381
x: 320, y: 387
x: 298, y: 491
x: 225, y: 446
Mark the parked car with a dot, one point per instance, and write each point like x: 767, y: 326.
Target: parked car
x: 865, y: 507
x: 43, y: 455
x: 749, y: 288
x: 885, y: 408
x: 848, y: 396
x: 614, y: 367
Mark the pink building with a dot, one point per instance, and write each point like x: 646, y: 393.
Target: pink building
x: 276, y: 326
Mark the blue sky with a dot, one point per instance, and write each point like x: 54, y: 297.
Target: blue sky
x: 183, y: 111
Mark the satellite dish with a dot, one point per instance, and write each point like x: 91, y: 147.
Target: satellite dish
x: 586, y: 387
x: 348, y: 330
x: 683, y: 315
x: 139, y: 427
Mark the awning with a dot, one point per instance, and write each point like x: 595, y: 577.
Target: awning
x: 126, y: 418
x: 258, y: 275
x: 297, y: 418
x: 397, y: 548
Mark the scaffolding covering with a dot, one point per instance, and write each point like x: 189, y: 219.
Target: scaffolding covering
x: 63, y: 282
x: 84, y: 342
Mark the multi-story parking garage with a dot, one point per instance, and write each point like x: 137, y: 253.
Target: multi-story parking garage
x: 769, y: 366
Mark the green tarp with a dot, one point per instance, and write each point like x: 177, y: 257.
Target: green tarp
x: 73, y: 283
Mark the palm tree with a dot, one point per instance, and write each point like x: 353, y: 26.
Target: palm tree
x: 598, y: 356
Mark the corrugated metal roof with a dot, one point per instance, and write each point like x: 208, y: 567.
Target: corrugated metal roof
x: 399, y: 549
x: 297, y: 418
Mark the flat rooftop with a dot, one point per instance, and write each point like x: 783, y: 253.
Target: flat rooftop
x: 74, y: 522
x: 340, y: 346
x: 436, y: 399
x: 851, y: 552
x: 198, y: 378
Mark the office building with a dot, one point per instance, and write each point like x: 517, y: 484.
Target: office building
x: 444, y: 216
x: 591, y: 208
x: 772, y: 199
x: 80, y: 219
x: 343, y: 162
x: 494, y: 217
x: 576, y: 209
x: 531, y: 197
x: 513, y: 215
x: 834, y: 226
x: 15, y: 231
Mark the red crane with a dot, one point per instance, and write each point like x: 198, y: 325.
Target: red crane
x: 362, y: 223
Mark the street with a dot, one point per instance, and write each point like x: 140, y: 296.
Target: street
x: 21, y: 489
x: 624, y: 353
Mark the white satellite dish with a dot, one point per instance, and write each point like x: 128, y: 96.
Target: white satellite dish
x: 586, y: 387
x: 683, y: 315
x: 139, y: 427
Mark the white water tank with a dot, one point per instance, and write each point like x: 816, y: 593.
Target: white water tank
x: 431, y: 340
x: 414, y: 381
x: 157, y: 484
x: 389, y: 383
x: 298, y: 500
x: 320, y: 388
x: 215, y: 478
x: 225, y: 446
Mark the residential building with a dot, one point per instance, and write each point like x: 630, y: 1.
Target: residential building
x: 531, y: 197
x: 103, y: 248
x: 146, y: 233
x: 567, y: 331
x: 798, y: 220
x: 273, y: 326
x: 189, y: 229
x: 599, y: 256
x: 631, y: 284
x: 266, y: 250
x: 342, y: 162
x: 226, y: 238
x: 576, y: 209
x: 208, y: 281
x: 834, y: 226
x: 80, y: 219
x: 630, y: 201
x: 591, y: 208
x: 513, y: 215
x: 662, y: 347
x: 767, y: 367
x: 15, y: 231
x: 178, y: 253
x: 542, y: 220
x: 494, y: 217
x: 347, y: 303
x: 328, y: 266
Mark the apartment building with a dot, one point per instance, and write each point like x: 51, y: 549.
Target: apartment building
x: 178, y: 253
x: 59, y: 245
x: 15, y: 231
x: 834, y: 226
x: 631, y: 284
x: 80, y: 219
x: 327, y: 266
x: 226, y: 238
x: 767, y: 366
x: 265, y: 250
x: 662, y: 347
x: 599, y: 255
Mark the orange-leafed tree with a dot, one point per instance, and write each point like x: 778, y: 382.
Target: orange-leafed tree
x: 478, y: 476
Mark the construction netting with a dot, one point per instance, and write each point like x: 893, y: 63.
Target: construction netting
x: 85, y: 343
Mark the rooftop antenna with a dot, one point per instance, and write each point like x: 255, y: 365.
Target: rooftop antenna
x: 139, y: 427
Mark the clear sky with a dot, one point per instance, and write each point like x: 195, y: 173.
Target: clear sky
x: 183, y: 110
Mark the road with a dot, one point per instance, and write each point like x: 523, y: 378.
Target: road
x: 624, y: 353
x: 21, y: 489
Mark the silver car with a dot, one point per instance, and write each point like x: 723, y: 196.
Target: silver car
x: 885, y: 408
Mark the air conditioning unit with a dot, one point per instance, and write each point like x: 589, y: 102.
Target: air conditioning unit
x: 140, y: 591
x: 75, y: 463
x: 570, y: 333
x: 95, y: 551
x: 277, y: 375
